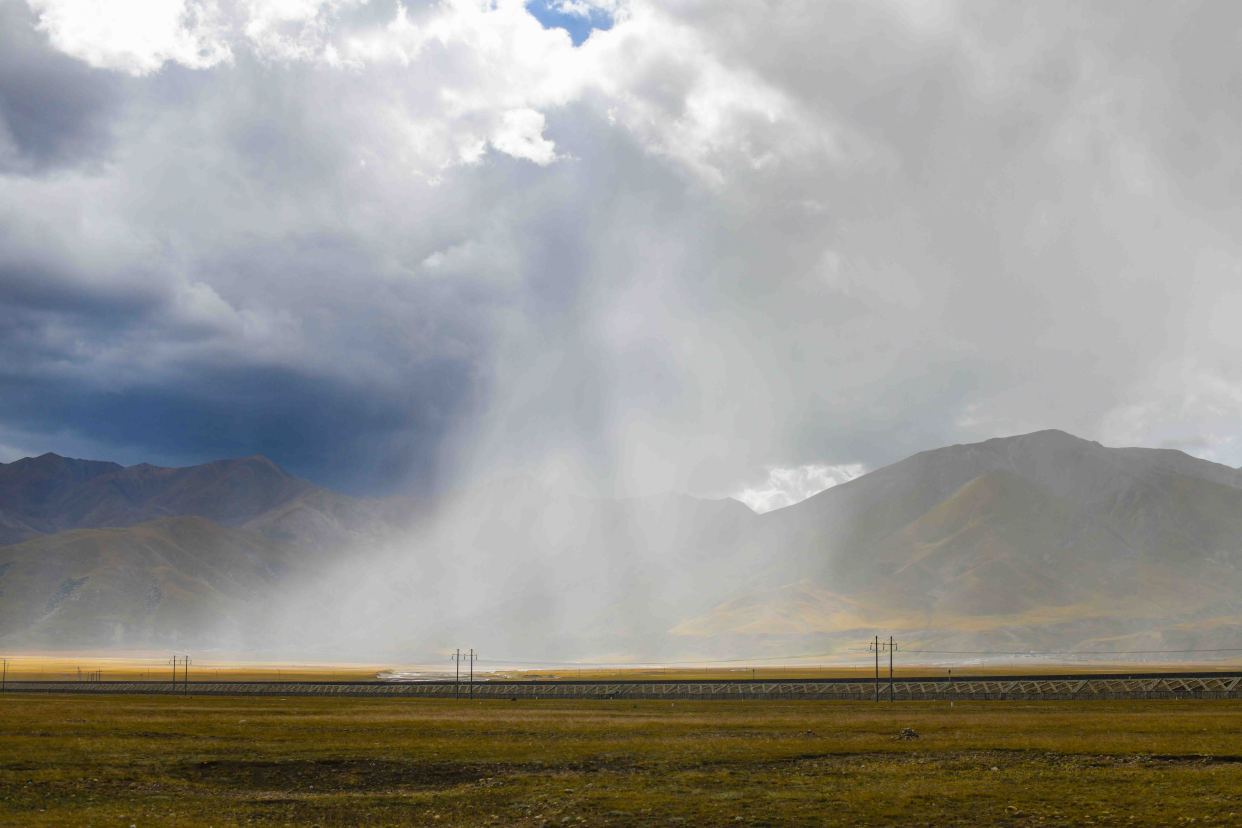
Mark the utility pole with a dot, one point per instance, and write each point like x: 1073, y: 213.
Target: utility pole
x: 184, y: 661
x: 4, y: 676
x: 473, y: 657
x: 876, y: 646
x: 457, y: 673
x: 891, y: 647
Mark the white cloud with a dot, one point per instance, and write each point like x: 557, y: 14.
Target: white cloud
x: 291, y: 29
x: 136, y: 36
x: 794, y: 230
x: 520, y: 134
x: 786, y: 486
x: 491, y: 69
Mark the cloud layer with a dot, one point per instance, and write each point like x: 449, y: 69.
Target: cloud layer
x: 787, y: 486
x: 406, y: 244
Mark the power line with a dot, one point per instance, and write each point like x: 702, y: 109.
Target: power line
x: 457, y: 673
x: 1078, y: 652
x: 458, y: 657
x: 892, y: 648
x: 501, y: 660
x: 473, y: 658
x: 183, y: 661
x: 697, y: 661
x: 877, y: 646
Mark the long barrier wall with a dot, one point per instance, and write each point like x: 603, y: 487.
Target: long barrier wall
x: 1148, y: 686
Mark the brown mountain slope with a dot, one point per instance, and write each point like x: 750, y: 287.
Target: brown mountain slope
x: 49, y: 494
x: 168, y: 581
x: 229, y: 492
x: 32, y: 488
x: 1045, y: 540
x: 1040, y: 541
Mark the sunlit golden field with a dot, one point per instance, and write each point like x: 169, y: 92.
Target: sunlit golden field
x: 123, y: 760
x: 61, y: 667
x: 141, y: 667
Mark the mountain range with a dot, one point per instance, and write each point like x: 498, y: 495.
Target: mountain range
x: 1040, y: 542
x: 95, y: 554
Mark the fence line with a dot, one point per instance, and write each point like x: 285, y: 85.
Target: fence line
x: 964, y: 688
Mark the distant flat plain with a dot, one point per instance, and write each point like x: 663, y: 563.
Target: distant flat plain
x: 61, y: 667
x: 126, y: 760
x: 130, y: 667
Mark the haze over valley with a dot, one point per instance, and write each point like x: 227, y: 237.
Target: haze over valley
x: 1038, y: 542
x: 619, y: 329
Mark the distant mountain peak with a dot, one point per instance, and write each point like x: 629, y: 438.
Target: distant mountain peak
x: 247, y: 460
x: 49, y: 458
x: 1044, y: 436
x: 1054, y: 434
x: 261, y: 460
x: 1041, y: 539
x: 50, y: 493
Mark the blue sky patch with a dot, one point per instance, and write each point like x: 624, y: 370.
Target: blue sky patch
x: 559, y: 14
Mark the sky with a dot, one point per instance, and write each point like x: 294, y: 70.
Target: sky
x: 726, y: 247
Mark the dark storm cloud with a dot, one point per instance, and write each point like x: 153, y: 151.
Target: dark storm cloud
x: 349, y: 436
x: 379, y: 241
x: 30, y: 290
x: 148, y: 370
x: 53, y: 110
x: 225, y: 289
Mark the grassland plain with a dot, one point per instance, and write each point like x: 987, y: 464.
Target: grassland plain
x: 72, y: 760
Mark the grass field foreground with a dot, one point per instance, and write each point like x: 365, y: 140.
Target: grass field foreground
x: 314, y: 761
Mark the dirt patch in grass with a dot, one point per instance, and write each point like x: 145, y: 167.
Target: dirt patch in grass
x: 335, y: 775
x: 1175, y: 759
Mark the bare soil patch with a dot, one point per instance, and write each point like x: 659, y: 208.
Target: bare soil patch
x: 298, y: 775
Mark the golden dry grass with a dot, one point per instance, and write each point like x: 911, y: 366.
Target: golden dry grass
x: 153, y: 666
x: 138, y: 667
